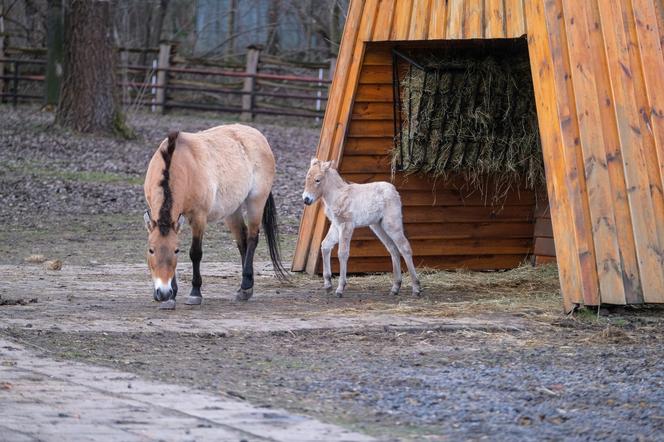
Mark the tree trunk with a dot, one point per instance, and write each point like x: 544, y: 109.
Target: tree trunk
x: 54, y: 44
x: 88, y: 98
x: 272, y: 46
x: 230, y: 24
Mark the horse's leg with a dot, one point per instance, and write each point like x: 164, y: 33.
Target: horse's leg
x: 394, y: 254
x: 394, y: 228
x: 345, y: 234
x: 331, y: 240
x: 235, y: 223
x: 254, y: 216
x: 196, y: 254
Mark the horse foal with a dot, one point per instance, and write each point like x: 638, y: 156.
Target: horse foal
x: 349, y: 205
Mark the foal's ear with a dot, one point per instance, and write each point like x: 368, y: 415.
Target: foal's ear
x: 325, y: 165
x: 149, y: 224
x: 314, y: 160
x: 179, y: 224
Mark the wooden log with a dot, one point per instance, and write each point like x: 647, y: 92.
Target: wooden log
x: 164, y: 62
x: 472, y: 214
x: 374, y: 92
x: 373, y: 247
x: 515, y: 19
x: 253, y: 55
x: 419, y: 20
x: 372, y: 111
x: 544, y: 247
x: 376, y: 74
x: 401, y: 21
x: 455, y: 19
x: 368, y: 146
x: 473, y: 17
x: 383, y: 27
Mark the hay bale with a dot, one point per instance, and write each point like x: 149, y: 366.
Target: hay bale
x: 473, y: 115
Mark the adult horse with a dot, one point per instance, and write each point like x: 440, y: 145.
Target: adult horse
x: 202, y: 177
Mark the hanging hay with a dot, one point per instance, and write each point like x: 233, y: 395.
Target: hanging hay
x: 471, y: 115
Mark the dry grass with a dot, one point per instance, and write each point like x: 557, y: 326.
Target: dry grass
x: 35, y: 259
x: 526, y: 290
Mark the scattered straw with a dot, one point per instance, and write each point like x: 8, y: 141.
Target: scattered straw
x: 35, y: 259
x: 55, y: 264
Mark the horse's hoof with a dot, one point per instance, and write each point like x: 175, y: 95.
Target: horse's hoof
x: 167, y: 305
x: 244, y: 294
x: 194, y: 300
x: 328, y: 289
x: 417, y: 292
x: 394, y: 292
x: 339, y: 294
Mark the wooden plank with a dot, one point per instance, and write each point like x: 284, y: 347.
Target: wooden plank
x: 494, y: 21
x: 334, y: 150
x: 384, y: 264
x: 646, y: 33
x: 374, y: 92
x: 415, y: 181
x: 376, y: 74
x: 377, y: 128
x: 332, y: 114
x: 437, y: 20
x: 368, y: 146
x: 455, y: 19
x: 544, y: 260
x: 401, y: 21
x: 585, y: 67
x: 419, y: 20
x: 444, y: 231
x: 543, y: 228
x: 630, y: 130
x: 544, y: 247
x: 472, y: 214
x: 363, y: 110
x: 383, y: 23
x: 373, y: 247
x: 377, y: 55
x: 473, y: 16
x: 611, y: 145
x: 515, y: 18
x: 455, y: 197
x: 544, y: 47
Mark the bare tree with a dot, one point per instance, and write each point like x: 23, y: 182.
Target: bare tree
x: 88, y: 99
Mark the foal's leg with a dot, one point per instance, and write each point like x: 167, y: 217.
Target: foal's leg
x: 345, y: 234
x: 331, y: 240
x: 254, y: 216
x: 394, y: 254
x: 196, y: 254
x: 394, y: 228
x: 235, y: 223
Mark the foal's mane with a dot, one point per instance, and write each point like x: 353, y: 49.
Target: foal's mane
x: 165, y: 221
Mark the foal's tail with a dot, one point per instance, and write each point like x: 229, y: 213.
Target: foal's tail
x: 272, y: 233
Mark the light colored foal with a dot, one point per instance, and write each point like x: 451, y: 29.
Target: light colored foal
x: 349, y: 205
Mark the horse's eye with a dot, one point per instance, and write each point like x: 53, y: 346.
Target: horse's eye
x: 177, y: 251
x: 151, y: 251
x: 317, y: 180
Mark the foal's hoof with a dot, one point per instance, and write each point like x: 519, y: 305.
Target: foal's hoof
x: 417, y: 292
x: 244, y: 294
x: 194, y: 300
x: 339, y: 294
x: 167, y: 305
x: 394, y: 292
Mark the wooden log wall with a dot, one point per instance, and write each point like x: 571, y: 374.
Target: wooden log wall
x: 597, y: 71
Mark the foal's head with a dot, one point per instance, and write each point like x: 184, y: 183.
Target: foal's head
x: 162, y: 255
x: 315, y: 181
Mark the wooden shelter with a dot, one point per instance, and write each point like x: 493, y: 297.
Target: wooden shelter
x: 597, y: 74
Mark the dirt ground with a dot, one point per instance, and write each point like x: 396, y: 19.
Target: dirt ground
x: 479, y: 356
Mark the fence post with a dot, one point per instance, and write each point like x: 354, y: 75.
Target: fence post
x: 253, y: 54
x: 162, y: 75
x: 2, y: 49
x: 15, y: 87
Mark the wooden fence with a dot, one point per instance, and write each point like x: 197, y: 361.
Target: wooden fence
x: 166, y: 84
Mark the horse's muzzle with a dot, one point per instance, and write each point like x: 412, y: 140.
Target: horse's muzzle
x: 308, y: 200
x: 163, y: 295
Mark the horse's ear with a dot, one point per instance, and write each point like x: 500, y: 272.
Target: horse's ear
x: 314, y: 160
x: 333, y: 164
x: 179, y: 224
x: 149, y: 224
x: 325, y: 165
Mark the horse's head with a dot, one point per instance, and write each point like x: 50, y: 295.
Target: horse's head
x: 315, y: 181
x: 162, y: 256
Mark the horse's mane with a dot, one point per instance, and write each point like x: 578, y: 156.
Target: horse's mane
x: 165, y: 222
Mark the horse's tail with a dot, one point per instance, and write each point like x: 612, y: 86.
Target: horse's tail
x: 272, y: 234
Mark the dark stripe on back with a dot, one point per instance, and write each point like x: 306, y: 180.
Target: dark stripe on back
x: 165, y: 221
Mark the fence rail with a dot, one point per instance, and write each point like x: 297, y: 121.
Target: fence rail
x: 160, y: 87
